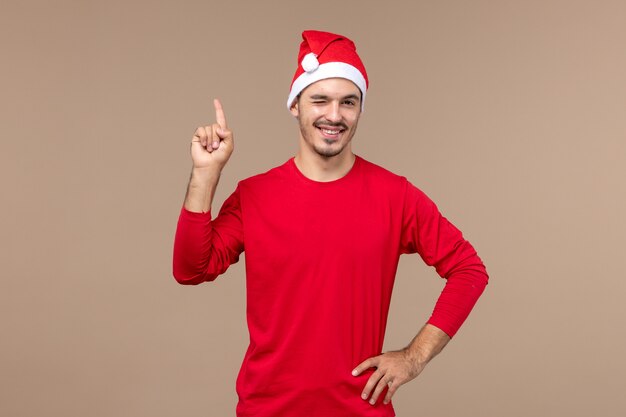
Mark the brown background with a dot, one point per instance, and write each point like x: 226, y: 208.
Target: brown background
x: 509, y: 114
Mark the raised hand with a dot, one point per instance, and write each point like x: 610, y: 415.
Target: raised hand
x: 212, y: 145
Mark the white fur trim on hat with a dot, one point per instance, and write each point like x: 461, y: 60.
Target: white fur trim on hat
x: 324, y: 71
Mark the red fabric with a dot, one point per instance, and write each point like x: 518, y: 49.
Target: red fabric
x: 321, y: 259
x: 328, y: 47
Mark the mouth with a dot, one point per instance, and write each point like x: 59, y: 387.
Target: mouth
x: 331, y: 132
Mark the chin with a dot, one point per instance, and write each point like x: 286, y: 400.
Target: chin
x: 328, y: 153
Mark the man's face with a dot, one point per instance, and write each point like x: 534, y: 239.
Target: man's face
x: 328, y: 113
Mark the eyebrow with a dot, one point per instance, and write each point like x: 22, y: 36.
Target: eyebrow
x: 325, y: 97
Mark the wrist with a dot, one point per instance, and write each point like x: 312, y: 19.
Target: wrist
x: 428, y: 343
x: 201, y: 176
x: 201, y: 189
x: 416, y: 355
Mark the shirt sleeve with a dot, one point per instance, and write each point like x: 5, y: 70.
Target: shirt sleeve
x: 204, y: 247
x: 441, y: 244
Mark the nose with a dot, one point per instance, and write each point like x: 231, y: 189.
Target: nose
x: 333, y: 114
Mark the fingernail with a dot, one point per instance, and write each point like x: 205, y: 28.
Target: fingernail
x: 372, y: 402
x: 364, y: 396
x: 215, y: 144
x: 354, y: 372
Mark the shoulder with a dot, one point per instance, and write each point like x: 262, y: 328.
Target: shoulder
x: 267, y: 178
x: 378, y: 174
x: 394, y: 183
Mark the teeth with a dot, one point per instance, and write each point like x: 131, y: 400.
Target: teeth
x: 330, y: 132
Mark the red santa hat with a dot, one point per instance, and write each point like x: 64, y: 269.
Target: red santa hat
x: 327, y: 55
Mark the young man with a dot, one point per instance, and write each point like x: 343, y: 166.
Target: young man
x: 323, y: 234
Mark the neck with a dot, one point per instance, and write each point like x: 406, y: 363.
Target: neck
x: 324, y: 169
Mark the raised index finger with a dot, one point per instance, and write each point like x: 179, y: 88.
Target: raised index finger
x: 219, y: 114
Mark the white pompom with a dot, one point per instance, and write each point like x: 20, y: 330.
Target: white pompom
x: 310, y: 62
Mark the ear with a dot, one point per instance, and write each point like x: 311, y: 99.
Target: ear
x: 294, y: 108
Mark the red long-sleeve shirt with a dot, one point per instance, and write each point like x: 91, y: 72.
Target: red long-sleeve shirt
x: 321, y: 259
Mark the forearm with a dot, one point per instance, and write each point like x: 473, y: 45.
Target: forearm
x: 201, y: 189
x: 204, y: 246
x: 192, y: 244
x: 426, y: 345
x: 465, y: 284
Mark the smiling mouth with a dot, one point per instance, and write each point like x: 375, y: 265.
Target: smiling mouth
x: 331, y: 132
